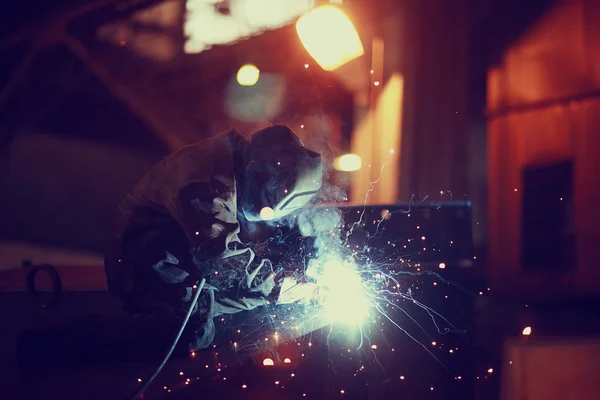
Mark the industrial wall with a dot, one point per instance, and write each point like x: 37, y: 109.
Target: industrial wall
x: 63, y: 192
x: 543, y: 144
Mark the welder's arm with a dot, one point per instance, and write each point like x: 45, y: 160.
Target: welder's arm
x: 255, y: 284
x: 206, y: 213
x: 292, y: 291
x: 287, y: 292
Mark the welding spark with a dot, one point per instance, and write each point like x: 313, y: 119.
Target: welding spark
x: 343, y: 295
x: 371, y: 188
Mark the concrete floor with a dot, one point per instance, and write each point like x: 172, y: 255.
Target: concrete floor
x: 315, y: 378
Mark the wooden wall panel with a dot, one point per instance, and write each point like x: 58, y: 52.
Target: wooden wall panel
x: 528, y: 367
x: 543, y: 110
x: 538, y: 138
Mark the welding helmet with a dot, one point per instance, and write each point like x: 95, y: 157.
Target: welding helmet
x: 281, y: 175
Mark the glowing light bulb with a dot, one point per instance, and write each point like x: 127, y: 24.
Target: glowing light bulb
x: 527, y: 331
x: 348, y: 162
x: 248, y: 75
x: 267, y: 214
x: 287, y: 361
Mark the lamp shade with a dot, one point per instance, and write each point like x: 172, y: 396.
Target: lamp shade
x: 329, y: 37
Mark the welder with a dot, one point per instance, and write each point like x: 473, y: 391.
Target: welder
x: 182, y: 221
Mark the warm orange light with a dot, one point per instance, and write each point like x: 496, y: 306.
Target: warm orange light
x: 268, y: 362
x: 329, y: 37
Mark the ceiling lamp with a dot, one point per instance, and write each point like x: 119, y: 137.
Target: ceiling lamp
x: 329, y: 37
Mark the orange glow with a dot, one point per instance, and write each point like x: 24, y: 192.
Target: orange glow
x: 377, y: 139
x: 527, y: 331
x: 268, y: 362
x: 329, y: 37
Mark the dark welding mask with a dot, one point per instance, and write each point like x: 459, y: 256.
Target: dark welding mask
x: 281, y: 175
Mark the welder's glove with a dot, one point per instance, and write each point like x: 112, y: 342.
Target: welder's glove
x: 293, y: 291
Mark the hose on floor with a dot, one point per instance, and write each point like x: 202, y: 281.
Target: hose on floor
x: 172, y: 348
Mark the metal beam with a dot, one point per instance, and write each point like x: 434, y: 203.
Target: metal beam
x: 18, y: 74
x: 540, y: 105
x: 155, y: 112
x: 30, y: 33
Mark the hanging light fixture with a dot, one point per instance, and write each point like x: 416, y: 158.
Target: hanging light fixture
x: 329, y: 37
